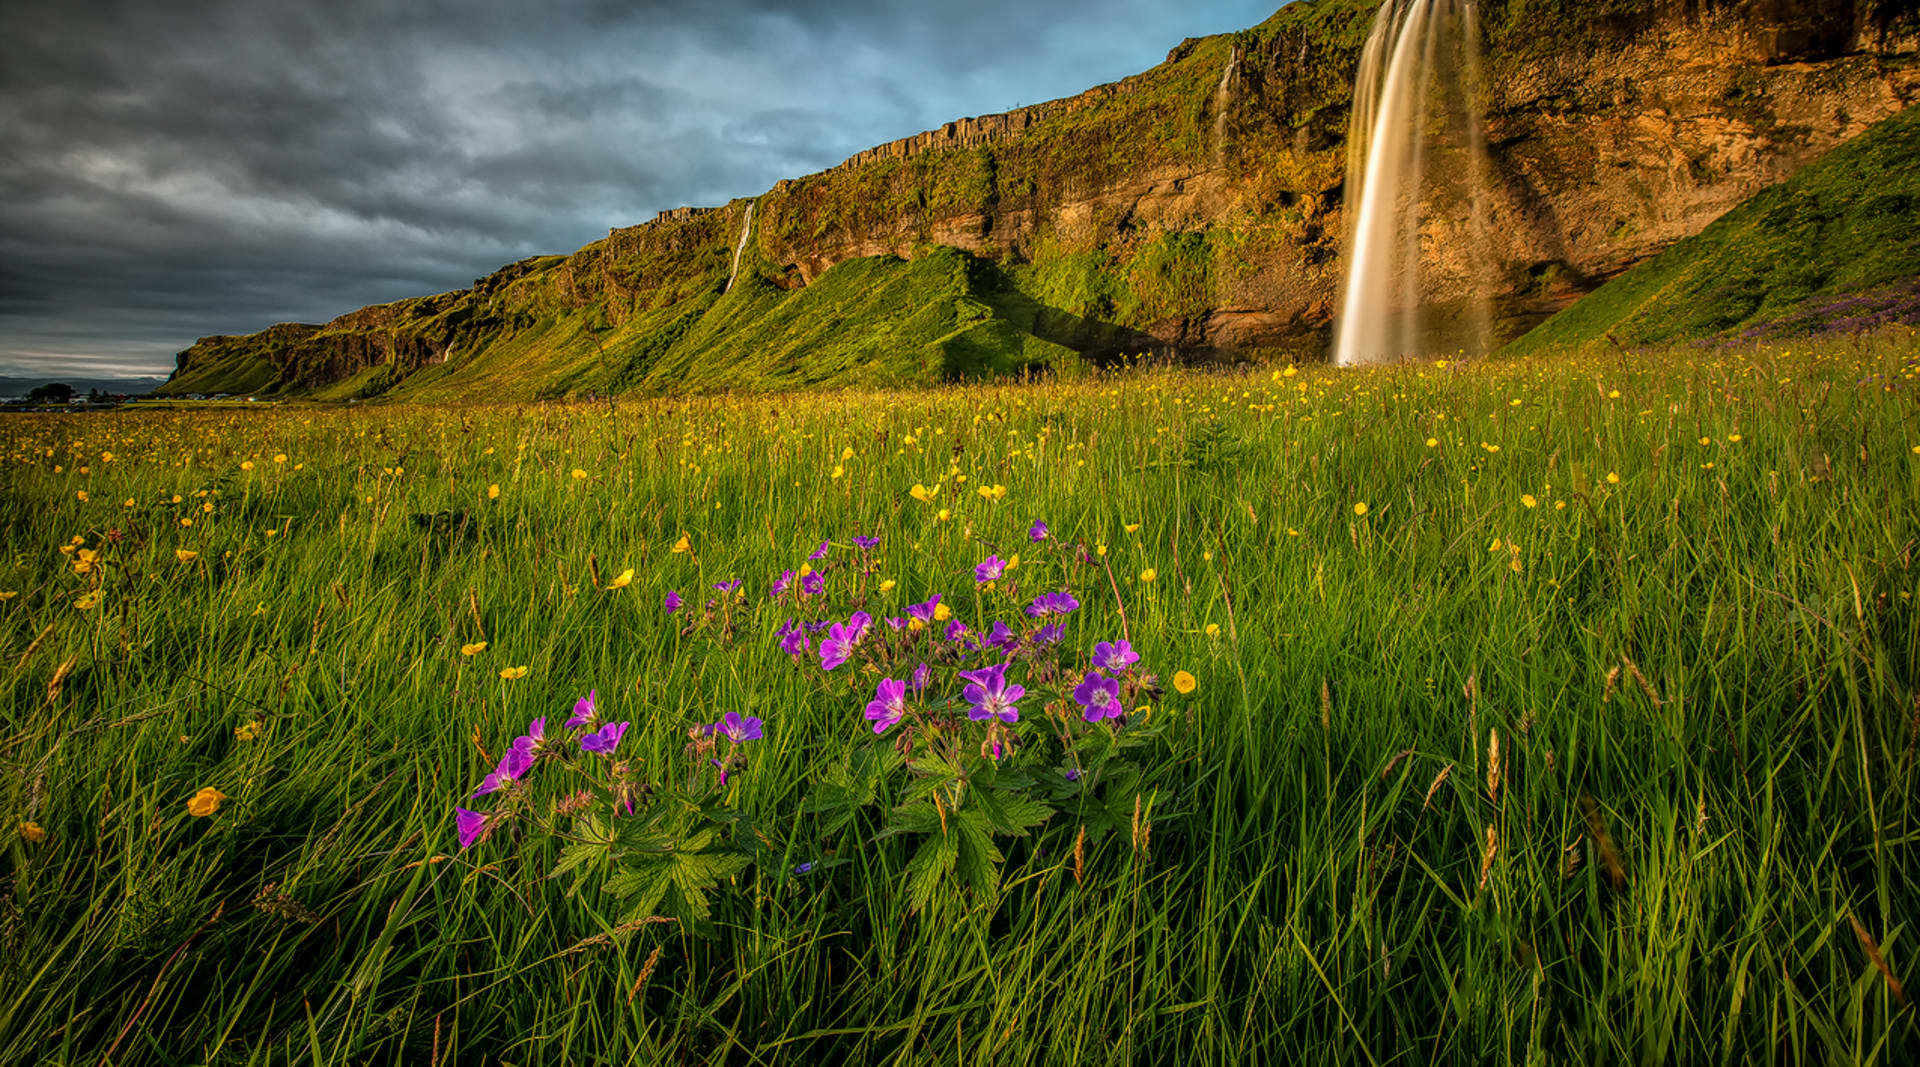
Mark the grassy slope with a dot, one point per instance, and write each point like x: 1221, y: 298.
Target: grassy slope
x: 1312, y: 893
x: 1847, y: 223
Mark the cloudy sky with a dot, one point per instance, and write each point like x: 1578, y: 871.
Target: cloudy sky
x: 176, y: 168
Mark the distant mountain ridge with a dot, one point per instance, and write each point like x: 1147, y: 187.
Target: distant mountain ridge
x: 1193, y: 208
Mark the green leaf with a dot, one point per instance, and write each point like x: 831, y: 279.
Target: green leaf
x: 928, y: 867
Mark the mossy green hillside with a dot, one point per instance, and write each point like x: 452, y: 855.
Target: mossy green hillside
x: 1847, y: 224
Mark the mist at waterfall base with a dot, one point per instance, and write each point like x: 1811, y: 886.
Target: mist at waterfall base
x: 1419, y: 273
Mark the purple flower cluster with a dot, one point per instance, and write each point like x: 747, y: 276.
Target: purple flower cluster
x: 595, y: 738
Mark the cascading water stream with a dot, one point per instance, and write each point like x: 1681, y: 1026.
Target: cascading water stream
x: 1417, y: 94
x: 746, y: 233
x: 1222, y: 101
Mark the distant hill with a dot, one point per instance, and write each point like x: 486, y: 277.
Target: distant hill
x: 1835, y: 247
x: 11, y: 386
x: 1195, y: 208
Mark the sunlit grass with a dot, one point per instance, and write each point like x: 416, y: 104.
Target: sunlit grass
x: 1679, y: 585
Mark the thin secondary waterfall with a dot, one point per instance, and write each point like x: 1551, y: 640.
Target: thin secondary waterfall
x: 746, y: 232
x: 1417, y: 95
x: 1222, y: 100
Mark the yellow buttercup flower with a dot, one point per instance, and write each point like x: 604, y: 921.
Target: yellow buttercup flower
x: 1433, y: 442
x: 8, y: 594
x: 1613, y: 478
x: 511, y: 673
x: 246, y: 465
x: 88, y: 602
x: 32, y: 832
x: 1133, y: 527
x: 473, y: 649
x: 624, y: 579
x: 205, y: 802
x: 943, y: 515
x: 684, y: 545
x: 280, y: 458
x: 887, y: 586
x: 579, y: 475
x: 185, y: 555
x: 941, y: 612
x: 1184, y: 682
x: 922, y: 493
x: 1360, y: 508
x: 493, y: 492
x: 248, y: 732
x: 82, y: 495
x: 1213, y: 629
x: 1149, y: 574
x: 1528, y: 500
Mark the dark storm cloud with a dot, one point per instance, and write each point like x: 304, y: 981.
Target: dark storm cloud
x: 174, y: 168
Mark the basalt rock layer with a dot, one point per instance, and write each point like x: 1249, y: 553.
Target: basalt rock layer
x: 1195, y: 208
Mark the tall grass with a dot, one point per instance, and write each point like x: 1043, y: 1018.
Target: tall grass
x: 1701, y: 675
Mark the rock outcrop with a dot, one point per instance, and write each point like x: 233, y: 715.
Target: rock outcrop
x: 1192, y: 211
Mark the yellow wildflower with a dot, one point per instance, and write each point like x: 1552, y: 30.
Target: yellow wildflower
x: 887, y: 586
x: 941, y: 613
x: 185, y: 555
x: 1613, y: 478
x: 248, y: 732
x: 246, y: 465
x: 512, y: 673
x: 624, y: 579
x: 280, y: 457
x: 493, y: 492
x: 922, y: 493
x: 579, y: 475
x: 473, y: 649
x: 683, y: 546
x: 32, y: 832
x: 205, y: 802
x: 944, y: 514
x: 1184, y: 682
x: 1149, y: 574
x: 1528, y: 500
x: 88, y: 602
x: 1213, y: 629
x: 1360, y: 509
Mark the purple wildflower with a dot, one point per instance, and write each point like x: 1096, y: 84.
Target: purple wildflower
x: 841, y: 640
x: 673, y: 602
x: 605, y: 740
x: 584, y: 710
x: 956, y: 630
x: 990, y: 571
x: 535, y: 739
x: 813, y: 584
x: 727, y: 586
x: 803, y: 868
x: 866, y: 543
x: 781, y: 584
x: 889, y: 704
x: 736, y: 729
x: 1050, y: 634
x: 793, y: 640
x: 471, y: 824
x: 1115, y: 656
x: 1100, y: 695
x: 509, y: 770
x: 896, y: 622
x: 821, y: 552
x: 1037, y: 532
x: 925, y: 611
x: 990, y: 695
x: 921, y: 675
x: 1047, y: 604
x: 818, y: 625
x: 1002, y: 637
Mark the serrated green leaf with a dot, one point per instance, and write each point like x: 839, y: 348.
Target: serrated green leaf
x: 928, y: 868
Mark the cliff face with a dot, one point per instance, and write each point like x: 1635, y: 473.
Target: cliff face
x: 1196, y: 206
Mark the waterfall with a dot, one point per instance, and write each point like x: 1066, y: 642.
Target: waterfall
x: 1417, y: 94
x: 1222, y: 100
x: 746, y: 232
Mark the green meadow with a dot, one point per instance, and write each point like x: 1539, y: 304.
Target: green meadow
x: 1548, y: 710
